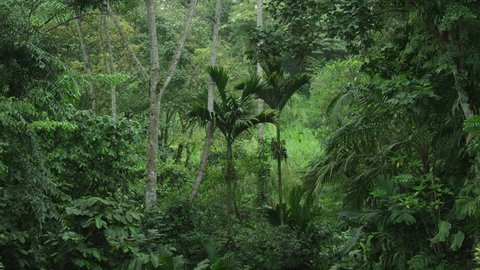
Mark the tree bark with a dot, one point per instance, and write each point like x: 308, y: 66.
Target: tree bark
x: 86, y: 60
x: 156, y: 95
x: 211, y: 99
x: 152, y: 146
x: 129, y: 48
x: 109, y: 62
x: 230, y: 178
x: 279, y: 173
x: 259, y: 7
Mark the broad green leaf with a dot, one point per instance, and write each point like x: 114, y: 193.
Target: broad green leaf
x: 443, y: 232
x: 457, y: 241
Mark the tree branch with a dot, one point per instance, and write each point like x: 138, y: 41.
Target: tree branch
x: 71, y: 19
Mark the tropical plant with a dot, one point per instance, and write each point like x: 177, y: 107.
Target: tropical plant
x: 232, y: 116
x: 300, y: 209
x: 395, y: 166
x: 278, y: 90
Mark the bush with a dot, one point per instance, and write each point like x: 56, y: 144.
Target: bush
x: 105, y: 234
x: 260, y: 245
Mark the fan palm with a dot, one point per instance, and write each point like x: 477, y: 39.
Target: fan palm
x: 232, y: 116
x: 279, y: 89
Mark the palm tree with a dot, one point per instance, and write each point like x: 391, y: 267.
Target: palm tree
x: 232, y: 116
x: 280, y: 88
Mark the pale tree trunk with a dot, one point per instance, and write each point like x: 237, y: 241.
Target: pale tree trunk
x: 156, y: 95
x: 109, y: 62
x: 86, y: 61
x: 152, y: 147
x: 465, y: 105
x: 211, y: 99
x: 264, y: 166
x: 129, y: 48
x: 259, y: 7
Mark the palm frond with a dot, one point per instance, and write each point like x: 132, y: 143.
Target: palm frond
x: 200, y: 114
x: 280, y: 86
x: 290, y: 86
x: 198, y: 111
x: 220, y: 77
x: 273, y: 69
x: 252, y: 86
x: 241, y: 125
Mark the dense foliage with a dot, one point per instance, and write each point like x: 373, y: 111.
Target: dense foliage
x: 368, y: 158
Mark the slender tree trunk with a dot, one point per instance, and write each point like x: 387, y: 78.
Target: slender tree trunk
x: 152, y: 147
x: 180, y: 46
x: 189, y: 154
x: 178, y: 156
x: 156, y: 95
x: 230, y: 178
x: 466, y: 105
x: 165, y: 131
x: 109, y: 62
x: 86, y: 61
x: 279, y: 174
x: 264, y: 166
x: 203, y: 162
x: 263, y: 174
x: 211, y: 99
x: 129, y: 48
x: 234, y: 199
x: 259, y: 6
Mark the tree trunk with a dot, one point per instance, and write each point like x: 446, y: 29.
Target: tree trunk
x: 259, y: 7
x: 180, y: 46
x: 264, y: 166
x: 110, y: 67
x: 152, y: 146
x: 234, y: 199
x: 165, y: 130
x: 86, y: 60
x: 156, y: 95
x: 187, y: 158
x: 129, y: 48
x: 466, y: 105
x: 263, y: 174
x: 178, y: 156
x: 203, y: 162
x: 279, y: 174
x: 211, y: 99
x: 230, y: 178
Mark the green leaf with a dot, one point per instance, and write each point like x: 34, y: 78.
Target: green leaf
x: 402, y: 216
x: 154, y: 259
x: 98, y: 222
x: 443, y: 232
x: 203, y: 265
x: 457, y: 241
x: 356, y: 233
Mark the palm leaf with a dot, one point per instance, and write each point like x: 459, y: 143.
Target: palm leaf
x: 280, y: 87
x: 290, y: 86
x: 268, y: 116
x: 253, y: 86
x: 220, y: 77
